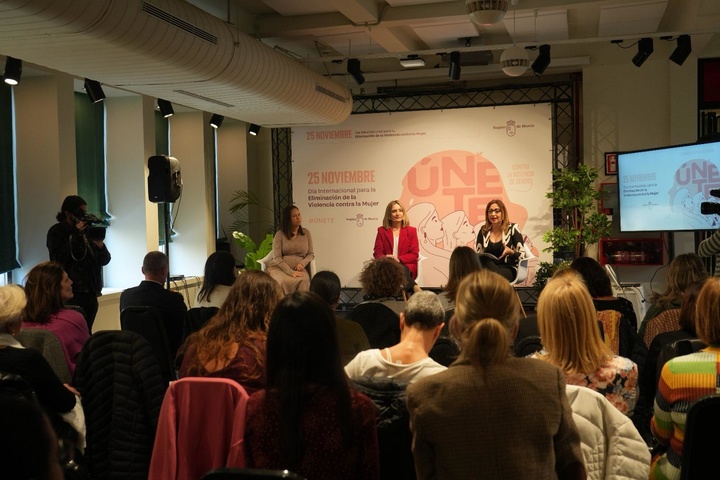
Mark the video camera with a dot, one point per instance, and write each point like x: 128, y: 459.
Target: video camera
x: 93, y: 231
x: 711, y: 208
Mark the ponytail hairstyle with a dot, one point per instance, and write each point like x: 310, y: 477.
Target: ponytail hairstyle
x: 486, y: 315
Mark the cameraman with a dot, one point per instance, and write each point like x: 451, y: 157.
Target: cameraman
x: 81, y: 257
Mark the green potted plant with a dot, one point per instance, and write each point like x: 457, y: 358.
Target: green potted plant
x: 240, y: 204
x: 576, y: 196
x: 254, y: 252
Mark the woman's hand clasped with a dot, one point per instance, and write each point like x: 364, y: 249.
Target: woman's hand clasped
x: 506, y: 252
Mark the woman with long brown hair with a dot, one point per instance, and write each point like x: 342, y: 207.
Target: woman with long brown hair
x: 500, y: 243
x: 232, y: 344
x: 292, y: 252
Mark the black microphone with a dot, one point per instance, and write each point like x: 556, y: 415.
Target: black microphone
x: 715, y: 192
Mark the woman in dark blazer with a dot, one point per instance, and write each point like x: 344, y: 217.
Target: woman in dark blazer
x: 398, y: 240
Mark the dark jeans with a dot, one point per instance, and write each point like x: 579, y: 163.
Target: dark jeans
x: 504, y: 270
x: 89, y: 303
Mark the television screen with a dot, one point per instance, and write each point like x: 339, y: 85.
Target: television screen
x: 663, y: 189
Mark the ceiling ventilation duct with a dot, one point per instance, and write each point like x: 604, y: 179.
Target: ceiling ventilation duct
x: 172, y: 50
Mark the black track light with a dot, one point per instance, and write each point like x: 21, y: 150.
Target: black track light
x: 682, y: 50
x: 454, y: 70
x: 254, y: 129
x: 353, y: 68
x: 542, y: 61
x: 94, y: 91
x: 645, y: 49
x: 166, y: 108
x: 13, y: 71
x: 216, y: 120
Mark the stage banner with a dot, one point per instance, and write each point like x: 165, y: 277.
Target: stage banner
x: 443, y: 166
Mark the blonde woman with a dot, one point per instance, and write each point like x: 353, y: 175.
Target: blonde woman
x: 511, y: 413
x: 571, y: 339
x: 397, y: 240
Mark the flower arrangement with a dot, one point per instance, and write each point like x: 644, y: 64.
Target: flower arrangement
x: 254, y: 252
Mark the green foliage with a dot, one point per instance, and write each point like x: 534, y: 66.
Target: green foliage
x: 239, y: 207
x: 254, y: 253
x: 545, y: 271
x: 575, y: 194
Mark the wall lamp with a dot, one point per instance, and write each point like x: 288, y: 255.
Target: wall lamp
x: 216, y: 120
x: 166, y: 108
x: 13, y: 71
x: 94, y: 91
x: 254, y: 129
x: 353, y: 68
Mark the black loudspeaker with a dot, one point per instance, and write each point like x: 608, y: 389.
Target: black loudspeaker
x: 164, y: 179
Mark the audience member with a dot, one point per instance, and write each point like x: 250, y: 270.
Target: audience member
x: 598, y: 284
x: 571, y: 340
x: 684, y: 380
x: 220, y: 274
x: 382, y: 281
x: 52, y: 395
x: 292, y: 252
x: 81, y: 255
x: 48, y: 287
x: 308, y: 420
x: 351, y: 337
x: 463, y: 261
x: 152, y: 293
x: 489, y: 412
x: 684, y: 269
x: 408, y: 361
x: 232, y: 343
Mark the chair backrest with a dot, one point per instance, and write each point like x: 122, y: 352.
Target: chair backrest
x: 527, y: 346
x: 379, y: 322
x: 196, y: 318
x: 521, y: 271
x: 48, y: 344
x: 678, y: 348
x: 666, y: 321
x: 203, y: 416
x: 610, y: 320
x: 148, y: 322
x: 445, y: 351
x: 249, y: 474
x: 701, y: 444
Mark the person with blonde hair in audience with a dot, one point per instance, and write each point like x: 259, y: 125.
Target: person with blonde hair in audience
x: 308, y: 420
x: 491, y: 414
x: 569, y: 330
x: 232, y: 343
x: 685, y: 379
x: 48, y: 287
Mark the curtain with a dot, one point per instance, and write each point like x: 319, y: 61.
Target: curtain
x: 90, y: 152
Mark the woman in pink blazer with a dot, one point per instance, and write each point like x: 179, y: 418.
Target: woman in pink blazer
x: 398, y: 240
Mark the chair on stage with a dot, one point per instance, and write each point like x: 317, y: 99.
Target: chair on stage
x: 521, y: 274
x: 265, y: 261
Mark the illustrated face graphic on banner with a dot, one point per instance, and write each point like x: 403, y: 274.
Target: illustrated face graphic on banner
x: 443, y: 167
x: 692, y: 184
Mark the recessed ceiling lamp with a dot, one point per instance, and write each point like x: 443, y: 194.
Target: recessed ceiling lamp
x: 486, y: 12
x: 514, y: 61
x: 412, y: 61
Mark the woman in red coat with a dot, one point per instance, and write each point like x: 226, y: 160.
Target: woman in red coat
x: 398, y: 240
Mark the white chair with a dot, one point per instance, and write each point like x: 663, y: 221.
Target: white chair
x: 265, y: 261
x: 520, y: 276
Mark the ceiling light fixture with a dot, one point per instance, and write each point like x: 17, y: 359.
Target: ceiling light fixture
x: 353, y: 68
x: 645, y: 49
x: 166, y: 108
x: 486, y: 12
x: 13, y: 71
x: 216, y: 120
x: 682, y: 50
x: 542, y: 61
x: 94, y: 90
x: 454, y: 70
x: 412, y: 61
x: 514, y: 60
x: 254, y: 129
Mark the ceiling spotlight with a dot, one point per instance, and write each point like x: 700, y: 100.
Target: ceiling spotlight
x: 645, y: 49
x: 486, y: 12
x: 254, y: 129
x: 542, y: 61
x: 454, y: 71
x: 353, y: 68
x: 514, y: 61
x: 166, y: 108
x: 682, y: 51
x: 412, y: 61
x: 94, y: 91
x: 216, y: 120
x: 13, y: 71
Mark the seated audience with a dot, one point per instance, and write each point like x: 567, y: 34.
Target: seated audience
x: 382, y: 281
x: 152, y: 293
x: 351, y: 336
x: 571, y: 340
x: 491, y: 414
x: 684, y: 380
x: 48, y: 287
x: 463, y: 261
x: 55, y: 398
x: 232, y: 343
x: 684, y: 269
x: 308, y: 420
x: 408, y: 361
x: 598, y: 284
x: 220, y: 274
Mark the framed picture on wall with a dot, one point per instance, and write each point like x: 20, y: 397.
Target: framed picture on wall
x: 611, y: 163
